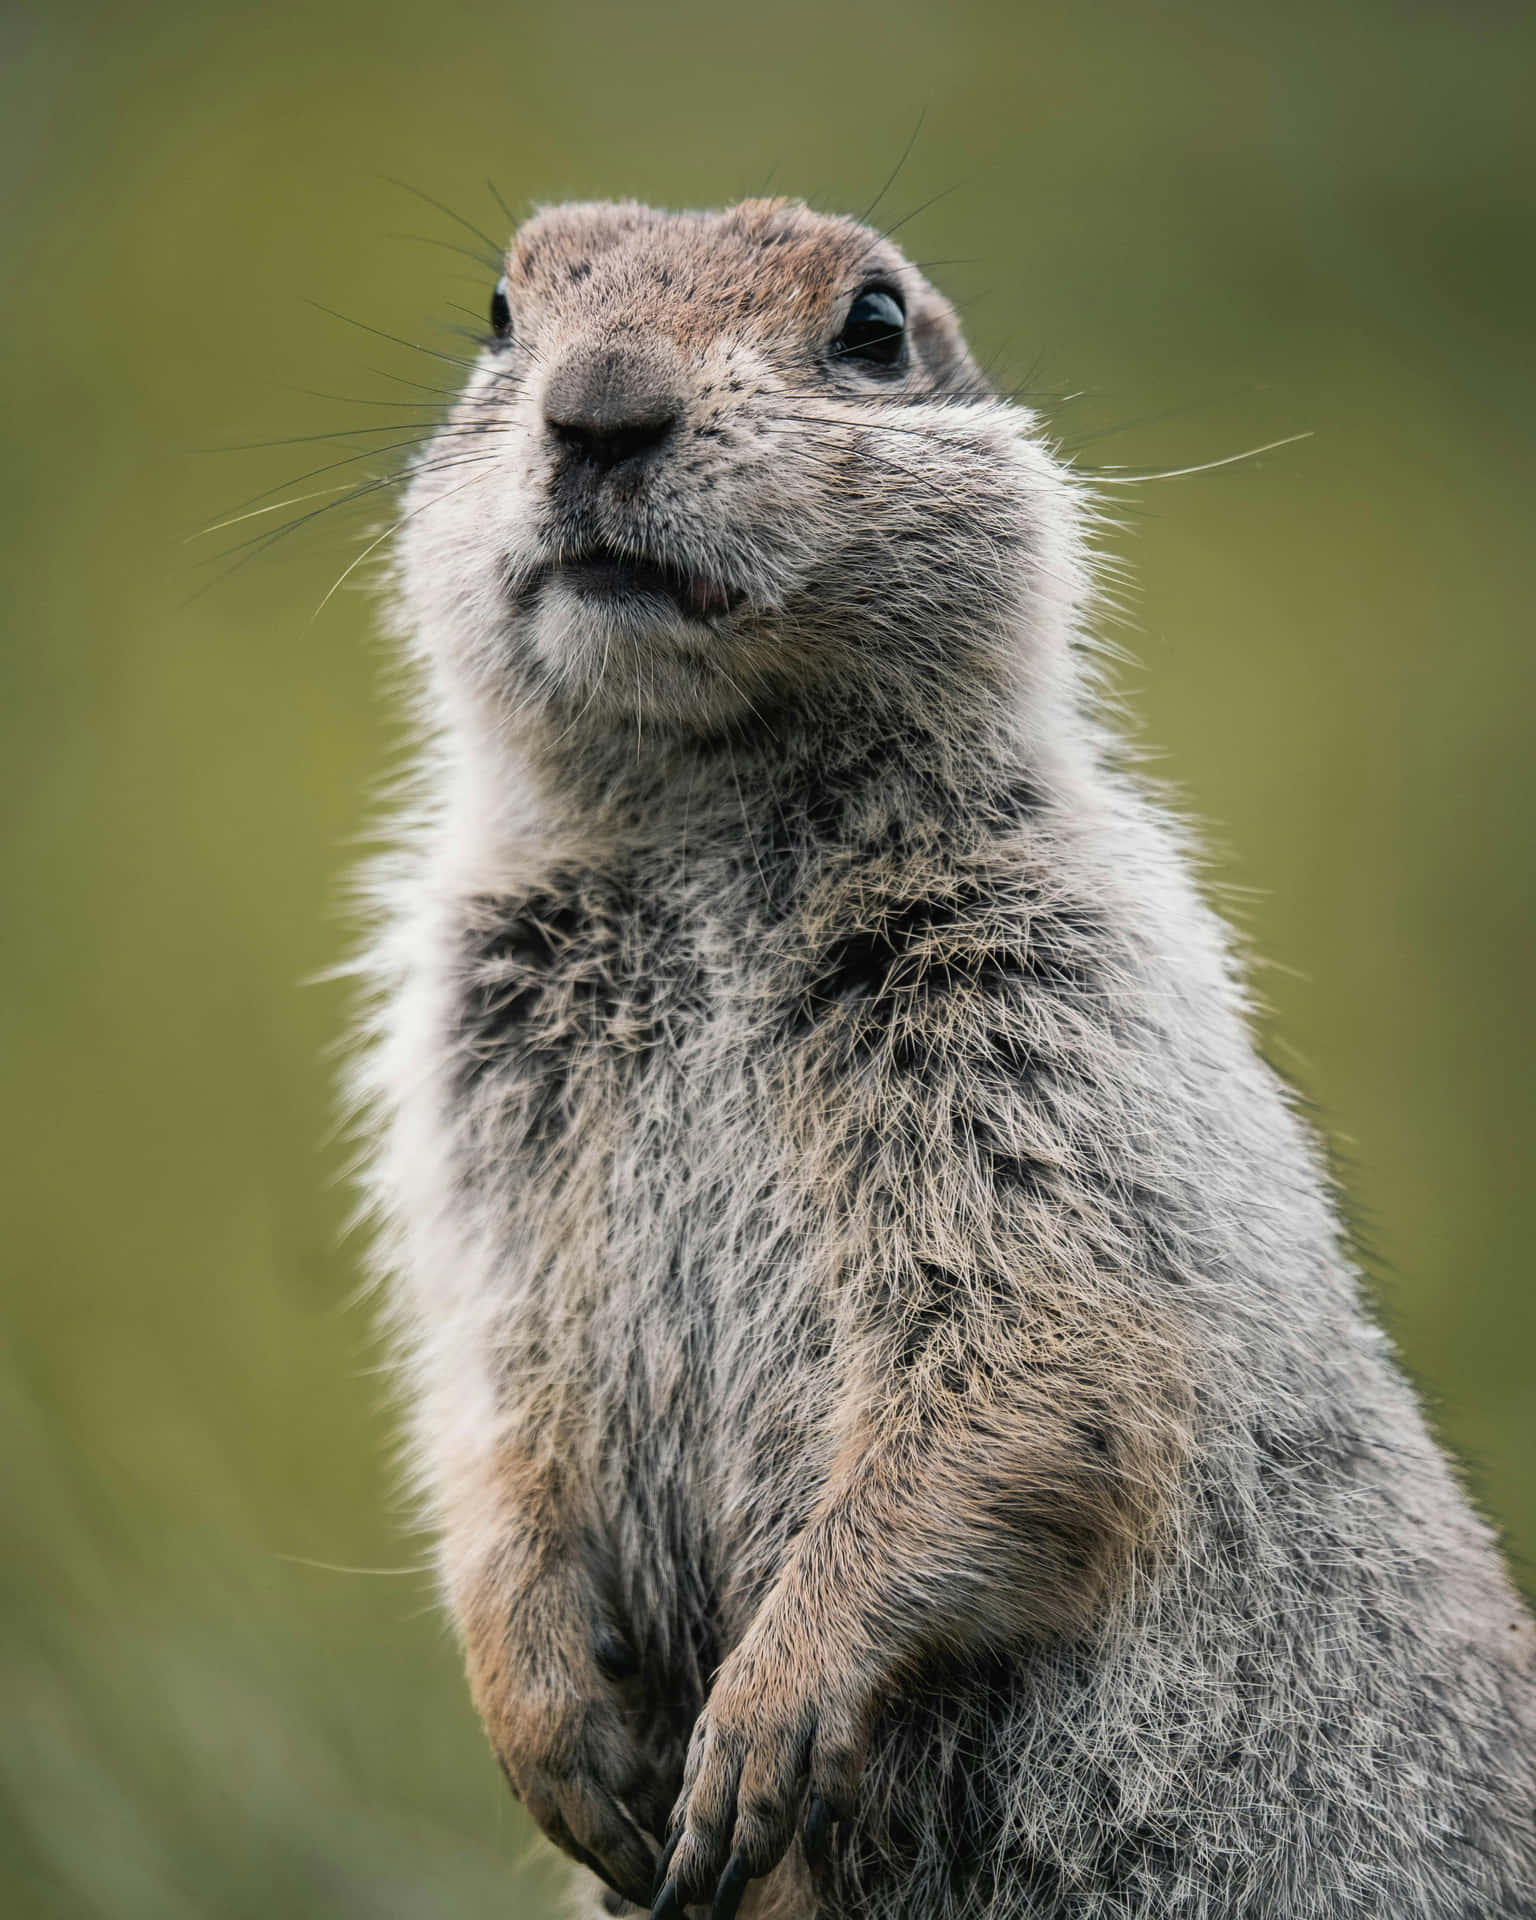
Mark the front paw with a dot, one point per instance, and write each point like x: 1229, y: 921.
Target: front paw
x: 783, y: 1730
x: 572, y: 1746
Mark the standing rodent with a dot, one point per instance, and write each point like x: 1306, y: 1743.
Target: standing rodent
x: 887, y: 1375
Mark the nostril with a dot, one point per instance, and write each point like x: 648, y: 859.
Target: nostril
x: 607, y: 446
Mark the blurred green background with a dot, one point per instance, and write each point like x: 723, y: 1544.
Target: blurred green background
x: 1188, y: 230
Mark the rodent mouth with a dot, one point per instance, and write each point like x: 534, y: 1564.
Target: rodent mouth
x: 602, y: 573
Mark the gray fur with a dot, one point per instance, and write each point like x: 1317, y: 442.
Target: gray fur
x: 855, y: 1280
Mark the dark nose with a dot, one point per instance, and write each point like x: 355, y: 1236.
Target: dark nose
x: 609, y: 404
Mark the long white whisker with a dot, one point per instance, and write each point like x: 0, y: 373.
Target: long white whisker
x: 1102, y: 479
x: 373, y: 545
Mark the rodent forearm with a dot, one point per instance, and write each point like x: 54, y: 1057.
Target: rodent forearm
x: 953, y: 1520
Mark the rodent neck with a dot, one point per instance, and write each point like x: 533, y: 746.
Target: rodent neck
x: 813, y: 771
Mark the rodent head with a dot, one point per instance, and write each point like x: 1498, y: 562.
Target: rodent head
x: 711, y: 460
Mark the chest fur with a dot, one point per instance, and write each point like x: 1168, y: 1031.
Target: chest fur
x: 613, y: 1117
x: 646, y: 1083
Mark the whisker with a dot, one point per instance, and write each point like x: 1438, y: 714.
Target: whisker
x: 487, y: 343
x: 457, y: 218
x: 432, y: 432
x: 332, y: 466
x: 413, y: 346
x: 480, y: 334
x: 448, y: 246
x: 922, y: 207
x: 309, y: 439
x: 420, y: 386
x: 895, y: 171
x: 426, y: 1571
x: 374, y: 545
x: 853, y: 426
x: 218, y: 526
x: 1139, y: 420
x: 260, y: 543
x: 1103, y: 478
x: 357, y: 400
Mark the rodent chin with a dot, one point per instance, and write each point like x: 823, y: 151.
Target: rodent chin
x: 630, y: 652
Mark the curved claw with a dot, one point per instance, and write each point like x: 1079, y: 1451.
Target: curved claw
x: 625, y: 1860
x: 733, y: 1884
x: 664, y: 1864
x: 667, y: 1903
x: 816, y: 1831
x: 563, y: 1838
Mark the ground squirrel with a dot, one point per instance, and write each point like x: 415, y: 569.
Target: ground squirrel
x: 887, y: 1376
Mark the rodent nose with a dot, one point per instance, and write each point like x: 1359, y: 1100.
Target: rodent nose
x: 610, y: 405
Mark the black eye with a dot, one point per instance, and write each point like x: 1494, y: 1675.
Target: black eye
x: 875, y: 330
x: 501, y: 311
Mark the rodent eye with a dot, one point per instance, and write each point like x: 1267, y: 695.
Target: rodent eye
x: 875, y: 330
x: 501, y: 311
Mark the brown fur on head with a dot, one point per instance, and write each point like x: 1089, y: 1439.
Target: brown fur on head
x: 772, y: 269
x: 671, y: 487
